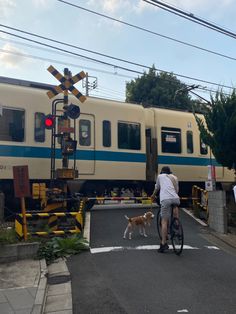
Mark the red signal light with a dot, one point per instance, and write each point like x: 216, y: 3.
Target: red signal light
x: 49, y: 121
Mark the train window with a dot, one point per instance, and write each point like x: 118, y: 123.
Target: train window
x: 203, y: 148
x: 84, y: 132
x: 189, y: 140
x: 171, y: 140
x: 39, y: 129
x: 106, y: 133
x: 129, y: 135
x: 12, y: 125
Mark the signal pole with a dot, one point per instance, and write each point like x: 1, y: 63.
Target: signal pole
x: 64, y: 130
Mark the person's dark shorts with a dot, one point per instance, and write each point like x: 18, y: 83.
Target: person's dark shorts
x: 166, y: 206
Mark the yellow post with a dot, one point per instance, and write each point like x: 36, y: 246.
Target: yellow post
x: 23, y: 211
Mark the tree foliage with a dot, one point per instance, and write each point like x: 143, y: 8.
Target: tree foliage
x: 219, y: 129
x: 159, y: 90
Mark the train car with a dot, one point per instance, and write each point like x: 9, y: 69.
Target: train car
x: 118, y: 144
x: 177, y: 143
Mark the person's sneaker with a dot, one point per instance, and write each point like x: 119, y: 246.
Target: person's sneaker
x: 166, y: 246
x: 163, y: 248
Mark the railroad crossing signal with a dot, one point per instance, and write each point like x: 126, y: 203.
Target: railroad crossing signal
x: 66, y: 84
x: 49, y: 121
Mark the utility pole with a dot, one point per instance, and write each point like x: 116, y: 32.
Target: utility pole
x: 86, y: 85
x: 89, y: 85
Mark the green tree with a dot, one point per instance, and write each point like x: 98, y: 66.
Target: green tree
x: 219, y: 129
x: 158, y: 90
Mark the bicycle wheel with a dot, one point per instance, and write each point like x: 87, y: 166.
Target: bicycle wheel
x: 177, y: 236
x: 159, y: 223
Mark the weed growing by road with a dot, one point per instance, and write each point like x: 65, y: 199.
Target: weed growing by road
x: 62, y: 247
x: 7, y: 235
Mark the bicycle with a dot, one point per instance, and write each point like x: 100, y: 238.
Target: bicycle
x: 175, y: 231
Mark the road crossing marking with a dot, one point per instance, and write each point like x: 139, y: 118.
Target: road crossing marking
x: 142, y: 247
x: 211, y: 247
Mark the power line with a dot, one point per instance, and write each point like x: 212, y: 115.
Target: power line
x: 105, y: 96
x: 108, y: 90
x: 73, y: 53
x: 191, y: 17
x: 73, y: 46
x: 56, y: 61
x: 204, y: 89
x: 149, y: 31
x: 110, y: 64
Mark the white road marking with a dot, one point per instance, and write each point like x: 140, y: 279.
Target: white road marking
x: 106, y: 249
x: 183, y: 311
x: 140, y: 247
x: 212, y: 247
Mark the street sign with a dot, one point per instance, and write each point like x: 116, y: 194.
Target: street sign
x: 66, y: 84
x: 21, y: 181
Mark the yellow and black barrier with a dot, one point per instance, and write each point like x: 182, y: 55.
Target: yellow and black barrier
x: 200, y: 199
x: 79, y: 222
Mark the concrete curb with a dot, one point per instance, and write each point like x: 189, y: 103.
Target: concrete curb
x: 40, y: 297
x: 86, y: 233
x: 227, y: 238
x: 59, y: 296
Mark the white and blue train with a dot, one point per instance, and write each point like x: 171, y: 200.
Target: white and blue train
x: 118, y: 144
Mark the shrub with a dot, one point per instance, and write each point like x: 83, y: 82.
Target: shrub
x: 8, y: 235
x: 61, y: 247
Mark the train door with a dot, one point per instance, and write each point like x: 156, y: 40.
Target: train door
x: 151, y: 156
x: 86, y: 144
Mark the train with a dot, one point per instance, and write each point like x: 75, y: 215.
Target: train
x: 119, y: 145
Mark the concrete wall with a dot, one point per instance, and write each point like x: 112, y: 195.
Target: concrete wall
x: 14, y: 252
x: 217, y: 211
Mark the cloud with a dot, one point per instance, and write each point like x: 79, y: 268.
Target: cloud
x: 10, y: 56
x: 44, y: 4
x: 7, y: 7
x: 119, y: 6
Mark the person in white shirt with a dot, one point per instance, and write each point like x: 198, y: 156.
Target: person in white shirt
x: 168, y: 186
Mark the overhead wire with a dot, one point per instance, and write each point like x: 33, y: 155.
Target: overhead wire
x: 58, y: 62
x: 72, y: 46
x: 148, y: 30
x: 191, y: 17
x: 204, y: 89
x: 110, y: 64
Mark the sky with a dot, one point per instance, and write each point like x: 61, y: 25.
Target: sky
x: 96, y: 37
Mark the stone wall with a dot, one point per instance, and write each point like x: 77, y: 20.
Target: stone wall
x: 18, y: 251
x: 217, y: 211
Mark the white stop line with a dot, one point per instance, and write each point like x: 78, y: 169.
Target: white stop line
x: 142, y: 247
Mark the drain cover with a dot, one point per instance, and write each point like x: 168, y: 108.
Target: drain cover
x: 54, y: 280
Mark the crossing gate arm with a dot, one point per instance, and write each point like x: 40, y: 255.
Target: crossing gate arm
x: 132, y: 198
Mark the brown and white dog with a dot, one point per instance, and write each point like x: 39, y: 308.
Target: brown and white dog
x: 140, y: 222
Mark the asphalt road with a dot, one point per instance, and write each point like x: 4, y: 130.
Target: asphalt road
x: 130, y: 276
